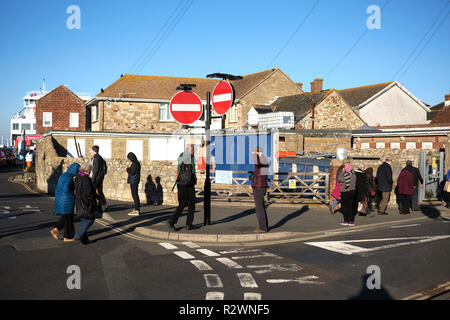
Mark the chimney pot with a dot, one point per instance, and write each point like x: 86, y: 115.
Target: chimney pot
x: 318, y: 84
x: 313, y: 87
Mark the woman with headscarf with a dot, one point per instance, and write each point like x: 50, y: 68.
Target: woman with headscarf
x: 64, y: 204
x: 347, y: 178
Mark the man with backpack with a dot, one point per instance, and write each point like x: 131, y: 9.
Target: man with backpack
x: 186, y: 181
x: 405, y: 189
x: 99, y: 170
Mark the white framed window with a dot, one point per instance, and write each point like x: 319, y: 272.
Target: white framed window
x: 410, y: 145
x: 46, y: 119
x: 427, y: 145
x: 164, y: 112
x: 15, y: 126
x: 95, y: 113
x: 135, y: 146
x: 233, y: 113
x: 104, y: 147
x: 365, y: 145
x: 395, y: 145
x: 381, y: 145
x: 74, y: 120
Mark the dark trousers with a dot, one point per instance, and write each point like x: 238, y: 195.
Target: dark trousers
x: 135, y: 195
x: 98, y: 187
x: 261, y: 215
x: 82, y: 230
x: 347, y: 205
x: 415, y: 199
x: 65, y: 223
x: 186, y: 198
x: 405, y: 200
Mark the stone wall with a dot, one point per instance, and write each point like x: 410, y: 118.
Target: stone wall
x: 334, y: 112
x: 51, y: 162
x: 325, y: 144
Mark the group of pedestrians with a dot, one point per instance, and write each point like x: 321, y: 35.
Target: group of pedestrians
x: 358, y: 191
x: 80, y: 188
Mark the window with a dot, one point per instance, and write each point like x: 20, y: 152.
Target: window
x: 233, y: 113
x: 34, y: 126
x: 46, y: 119
x: 381, y: 145
x: 395, y: 145
x: 365, y: 145
x: 164, y: 112
x: 15, y: 126
x: 410, y: 145
x: 427, y: 145
x: 26, y: 126
x: 74, y: 117
x: 95, y: 113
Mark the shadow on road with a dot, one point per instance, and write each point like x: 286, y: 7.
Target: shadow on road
x: 371, y: 294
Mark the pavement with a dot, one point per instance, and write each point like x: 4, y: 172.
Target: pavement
x: 234, y: 222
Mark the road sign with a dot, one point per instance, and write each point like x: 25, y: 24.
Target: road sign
x: 222, y: 97
x: 186, y: 107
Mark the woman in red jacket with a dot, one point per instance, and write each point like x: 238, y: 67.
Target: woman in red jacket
x: 259, y: 185
x: 405, y: 189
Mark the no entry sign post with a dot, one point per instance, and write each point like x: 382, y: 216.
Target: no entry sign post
x: 185, y: 110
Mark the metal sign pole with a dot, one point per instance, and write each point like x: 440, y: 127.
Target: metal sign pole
x: 207, y: 188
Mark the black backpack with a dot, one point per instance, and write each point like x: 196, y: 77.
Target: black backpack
x: 186, y: 177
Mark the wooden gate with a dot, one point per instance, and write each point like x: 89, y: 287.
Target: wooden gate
x: 284, y: 187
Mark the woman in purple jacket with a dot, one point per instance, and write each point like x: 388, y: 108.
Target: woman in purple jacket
x: 259, y: 185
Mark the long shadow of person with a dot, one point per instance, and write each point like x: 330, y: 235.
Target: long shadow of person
x: 371, y: 294
x: 150, y: 189
x: 158, y: 197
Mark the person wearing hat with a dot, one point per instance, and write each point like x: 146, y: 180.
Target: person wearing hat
x: 259, y: 186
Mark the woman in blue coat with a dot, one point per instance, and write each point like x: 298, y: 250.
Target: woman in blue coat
x: 64, y: 204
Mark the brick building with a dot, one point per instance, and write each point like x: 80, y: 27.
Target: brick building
x: 60, y: 109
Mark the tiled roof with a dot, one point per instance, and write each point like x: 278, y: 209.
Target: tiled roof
x: 442, y: 117
x: 299, y: 104
x: 356, y: 96
x: 164, y: 88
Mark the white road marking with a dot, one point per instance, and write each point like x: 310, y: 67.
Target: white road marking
x: 215, y: 296
x: 264, y: 254
x: 301, y: 280
x: 276, y: 267
x: 252, y: 296
x: 201, y: 265
x: 247, y: 280
x: 229, y: 263
x: 184, y: 255
x: 405, y: 226
x: 191, y: 244
x: 213, y: 281
x: 240, y: 251
x: 208, y: 253
x: 168, y: 246
x: 345, y: 248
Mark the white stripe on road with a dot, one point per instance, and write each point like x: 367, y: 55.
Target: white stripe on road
x: 405, y: 226
x: 215, y: 296
x: 167, y: 245
x: 191, y: 244
x: 201, y: 265
x: 240, y: 251
x: 264, y: 254
x: 186, y: 107
x: 229, y: 263
x: 247, y: 280
x: 275, y: 267
x: 184, y: 255
x: 301, y: 280
x: 208, y: 253
x: 222, y: 97
x: 213, y: 281
x: 252, y: 296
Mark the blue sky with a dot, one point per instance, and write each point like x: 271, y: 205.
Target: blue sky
x: 234, y: 36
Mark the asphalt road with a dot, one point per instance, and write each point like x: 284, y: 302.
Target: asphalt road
x: 407, y: 259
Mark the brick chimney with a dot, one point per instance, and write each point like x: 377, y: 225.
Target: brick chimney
x: 313, y: 87
x: 447, y: 100
x: 318, y: 86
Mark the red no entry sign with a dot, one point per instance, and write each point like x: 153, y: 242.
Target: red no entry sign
x: 186, y: 107
x: 222, y: 97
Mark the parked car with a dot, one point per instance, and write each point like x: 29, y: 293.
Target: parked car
x: 9, y: 155
x: 2, y: 159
